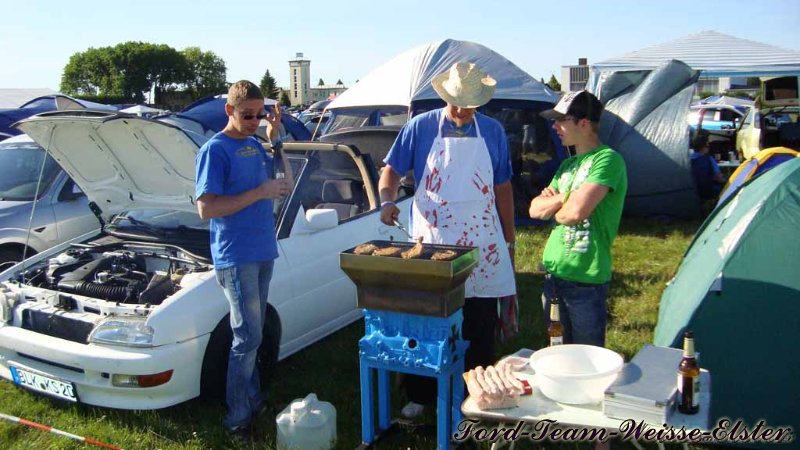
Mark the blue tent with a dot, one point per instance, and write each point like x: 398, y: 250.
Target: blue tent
x: 209, y: 114
x: 57, y: 102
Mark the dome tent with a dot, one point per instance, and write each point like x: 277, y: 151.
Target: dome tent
x: 738, y: 290
x: 406, y: 78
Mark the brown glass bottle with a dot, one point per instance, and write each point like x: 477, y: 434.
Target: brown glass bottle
x: 555, y: 330
x: 688, y: 377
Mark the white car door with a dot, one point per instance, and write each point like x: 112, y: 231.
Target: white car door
x: 324, y: 298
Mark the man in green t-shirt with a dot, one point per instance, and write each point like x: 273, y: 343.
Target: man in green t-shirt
x: 585, y: 198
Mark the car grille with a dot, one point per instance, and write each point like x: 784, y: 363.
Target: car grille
x: 56, y: 325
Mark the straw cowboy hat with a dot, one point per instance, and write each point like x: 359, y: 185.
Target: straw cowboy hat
x: 464, y: 85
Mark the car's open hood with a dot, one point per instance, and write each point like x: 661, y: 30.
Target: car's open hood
x: 121, y: 162
x: 779, y: 91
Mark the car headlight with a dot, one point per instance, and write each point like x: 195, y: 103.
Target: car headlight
x: 127, y: 331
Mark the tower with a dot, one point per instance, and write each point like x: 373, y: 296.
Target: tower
x: 299, y: 78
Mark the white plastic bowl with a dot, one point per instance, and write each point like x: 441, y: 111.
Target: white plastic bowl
x: 575, y: 373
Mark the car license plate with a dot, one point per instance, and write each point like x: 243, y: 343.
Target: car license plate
x: 44, y: 384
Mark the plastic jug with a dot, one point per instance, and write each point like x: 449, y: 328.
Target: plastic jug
x: 307, y: 424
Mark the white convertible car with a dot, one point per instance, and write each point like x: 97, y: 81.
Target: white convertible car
x: 132, y: 316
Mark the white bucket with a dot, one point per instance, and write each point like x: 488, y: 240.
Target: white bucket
x: 307, y: 424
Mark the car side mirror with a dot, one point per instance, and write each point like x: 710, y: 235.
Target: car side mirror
x: 316, y: 220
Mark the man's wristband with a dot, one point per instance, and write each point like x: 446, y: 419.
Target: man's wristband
x: 386, y: 203
x: 511, y: 245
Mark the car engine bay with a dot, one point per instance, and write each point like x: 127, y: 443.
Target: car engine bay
x: 126, y: 272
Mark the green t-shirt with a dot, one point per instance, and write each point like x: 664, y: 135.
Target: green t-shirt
x: 582, y: 252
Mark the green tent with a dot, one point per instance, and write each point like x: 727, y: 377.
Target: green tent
x: 738, y: 289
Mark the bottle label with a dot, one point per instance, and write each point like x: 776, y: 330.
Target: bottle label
x: 554, y: 313
x: 556, y: 340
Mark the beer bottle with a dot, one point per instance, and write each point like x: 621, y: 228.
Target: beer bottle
x: 555, y: 330
x: 688, y: 377
x: 279, y: 169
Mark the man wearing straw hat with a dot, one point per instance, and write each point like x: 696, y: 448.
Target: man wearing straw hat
x: 463, y: 196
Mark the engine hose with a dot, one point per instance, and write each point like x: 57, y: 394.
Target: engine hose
x: 113, y: 293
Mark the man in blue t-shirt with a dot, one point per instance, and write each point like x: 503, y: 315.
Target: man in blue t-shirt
x: 463, y: 196
x: 708, y: 178
x: 234, y: 188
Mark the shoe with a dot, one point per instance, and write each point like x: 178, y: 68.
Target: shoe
x: 412, y: 410
x: 241, y: 434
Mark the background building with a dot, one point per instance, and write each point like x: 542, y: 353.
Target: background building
x: 725, y: 62
x: 327, y: 91
x: 574, y: 78
x: 299, y: 78
x: 300, y: 91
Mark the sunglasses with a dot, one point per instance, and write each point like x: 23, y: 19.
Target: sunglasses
x: 258, y: 116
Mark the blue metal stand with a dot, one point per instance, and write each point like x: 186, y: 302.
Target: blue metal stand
x: 419, y: 345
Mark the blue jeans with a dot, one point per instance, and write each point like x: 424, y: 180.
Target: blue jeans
x: 246, y: 287
x: 582, y: 307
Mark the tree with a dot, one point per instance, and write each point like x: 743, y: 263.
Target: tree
x: 130, y: 69
x: 542, y: 80
x: 268, y: 86
x: 339, y: 83
x: 321, y: 83
x: 553, y: 83
x: 88, y: 73
x: 285, y: 99
x: 206, y: 72
x: 140, y: 66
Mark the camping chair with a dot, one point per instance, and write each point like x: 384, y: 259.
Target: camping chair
x: 344, y: 196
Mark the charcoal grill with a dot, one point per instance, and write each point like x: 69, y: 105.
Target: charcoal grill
x: 414, y: 286
x: 412, y: 317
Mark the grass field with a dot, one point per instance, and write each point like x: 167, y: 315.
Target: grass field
x: 646, y: 255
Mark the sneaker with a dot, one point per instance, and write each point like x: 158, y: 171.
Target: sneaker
x: 412, y: 410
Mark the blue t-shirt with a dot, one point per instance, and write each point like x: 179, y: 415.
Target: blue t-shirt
x: 714, y: 166
x: 228, y: 166
x: 410, y: 149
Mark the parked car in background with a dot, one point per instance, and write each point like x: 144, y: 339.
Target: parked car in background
x: 132, y: 317
x: 720, y: 121
x: 32, y: 182
x: 776, y: 108
x: 715, y: 117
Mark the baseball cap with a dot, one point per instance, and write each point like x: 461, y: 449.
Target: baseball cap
x: 579, y: 104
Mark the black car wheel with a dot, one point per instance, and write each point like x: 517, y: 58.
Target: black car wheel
x: 215, y: 362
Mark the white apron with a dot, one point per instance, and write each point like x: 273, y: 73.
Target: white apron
x: 455, y: 205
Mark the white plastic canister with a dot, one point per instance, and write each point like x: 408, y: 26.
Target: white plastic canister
x: 307, y: 424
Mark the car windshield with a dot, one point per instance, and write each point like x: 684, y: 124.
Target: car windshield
x: 20, y: 170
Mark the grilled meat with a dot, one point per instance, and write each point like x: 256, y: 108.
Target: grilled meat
x: 413, y: 252
x: 443, y: 255
x: 388, y: 251
x: 365, y: 249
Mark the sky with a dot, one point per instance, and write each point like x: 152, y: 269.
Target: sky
x: 346, y: 39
